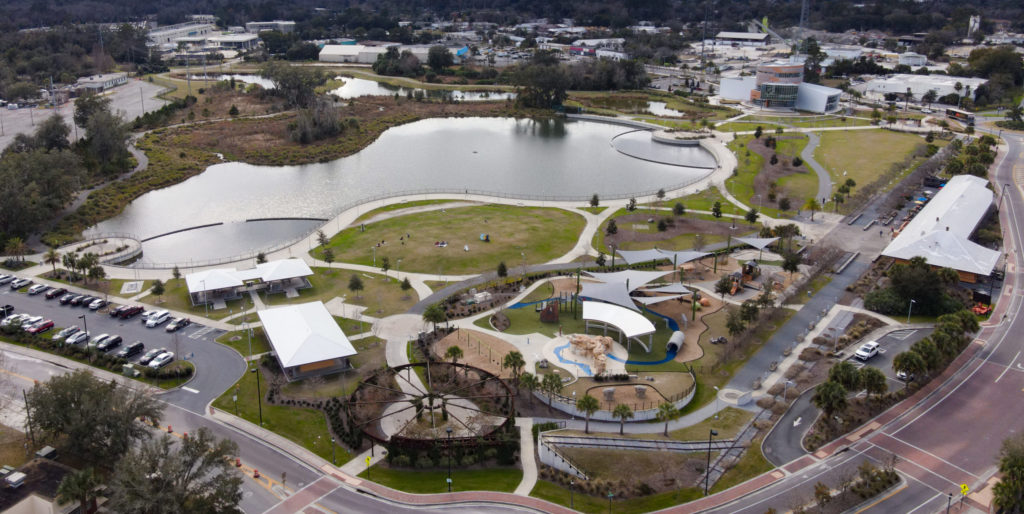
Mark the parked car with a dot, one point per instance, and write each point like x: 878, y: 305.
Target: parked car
x: 36, y: 289
x: 116, y: 312
x: 4, y: 279
x: 66, y: 299
x: 178, y: 324
x: 109, y: 343
x: 53, y: 293
x: 146, y: 315
x: 97, y: 304
x: 157, y: 318
x: 20, y: 283
x: 867, y: 351
x: 86, y: 300
x: 6, y: 310
x: 161, y: 360
x: 65, y: 333
x: 14, y: 319
x: 152, y: 354
x: 40, y: 327
x: 29, y: 321
x: 904, y: 376
x: 95, y: 342
x: 77, y: 300
x: 130, y: 350
x: 134, y: 310
x: 77, y: 337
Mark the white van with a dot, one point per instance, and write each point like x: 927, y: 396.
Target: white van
x: 157, y: 318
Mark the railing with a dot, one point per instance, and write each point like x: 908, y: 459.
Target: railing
x: 641, y: 412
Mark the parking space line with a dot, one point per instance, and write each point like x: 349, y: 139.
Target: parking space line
x: 189, y: 389
x: 1007, y: 368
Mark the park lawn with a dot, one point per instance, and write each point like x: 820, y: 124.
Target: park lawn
x: 592, y: 504
x: 594, y: 210
x: 702, y: 201
x: 832, y: 121
x: 814, y: 286
x: 307, y: 427
x: 435, y: 481
x: 12, y: 451
x: 396, y: 206
x: 249, y: 317
x: 383, y: 296
x: 863, y: 155
x: 679, y: 242
x: 175, y: 298
x: 730, y: 421
x: 746, y: 126
x: 544, y: 291
x: 239, y: 340
x: 797, y: 185
x: 542, y: 234
x: 750, y: 465
x: 676, y: 124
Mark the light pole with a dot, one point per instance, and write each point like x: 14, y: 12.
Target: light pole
x: 334, y: 459
x: 785, y: 388
x: 758, y: 202
x: 259, y: 394
x: 707, y: 470
x: 716, y: 401
x: 374, y: 248
x: 1002, y: 193
x: 206, y: 300
x: 909, y: 309
x: 571, y: 483
x: 85, y: 325
x: 449, y: 430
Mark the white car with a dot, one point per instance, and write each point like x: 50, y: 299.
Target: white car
x: 27, y: 323
x: 14, y: 319
x: 161, y: 360
x: 36, y: 289
x: 97, y: 340
x: 77, y: 337
x: 867, y: 351
x: 65, y: 333
x: 157, y: 318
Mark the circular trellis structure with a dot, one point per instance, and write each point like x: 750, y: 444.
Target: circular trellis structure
x: 426, y: 405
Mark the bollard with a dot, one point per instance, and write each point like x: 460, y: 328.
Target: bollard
x: 238, y: 462
x: 255, y: 473
x: 169, y: 431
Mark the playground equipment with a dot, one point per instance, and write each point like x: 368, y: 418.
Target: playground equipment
x: 596, y: 347
x: 745, y: 277
x: 675, y: 343
x: 981, y: 309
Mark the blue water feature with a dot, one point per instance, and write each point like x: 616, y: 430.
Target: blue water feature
x: 583, y: 367
x: 671, y: 354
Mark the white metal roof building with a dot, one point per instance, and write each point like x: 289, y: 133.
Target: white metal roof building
x: 940, y: 231
x: 627, y: 323
x: 362, y: 54
x: 306, y: 340
x: 208, y: 285
x: 743, y: 38
x: 919, y: 84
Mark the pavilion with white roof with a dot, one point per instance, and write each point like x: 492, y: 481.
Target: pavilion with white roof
x: 221, y: 284
x: 306, y: 340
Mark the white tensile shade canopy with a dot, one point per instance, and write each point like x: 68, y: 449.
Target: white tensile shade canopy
x: 757, y: 242
x: 677, y: 258
x: 635, y: 279
x: 613, y: 293
x: 628, y: 323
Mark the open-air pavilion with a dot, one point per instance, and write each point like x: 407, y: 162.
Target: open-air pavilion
x: 758, y: 242
x: 628, y: 323
x: 654, y: 255
x: 217, y: 286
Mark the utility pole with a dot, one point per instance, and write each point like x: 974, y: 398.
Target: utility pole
x: 28, y: 414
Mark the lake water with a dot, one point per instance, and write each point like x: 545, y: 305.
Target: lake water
x: 513, y: 157
x: 356, y: 87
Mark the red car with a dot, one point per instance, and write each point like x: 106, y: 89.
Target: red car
x: 40, y: 327
x: 130, y: 312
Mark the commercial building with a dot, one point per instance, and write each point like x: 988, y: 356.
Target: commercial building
x: 941, y: 230
x: 361, y: 54
x: 235, y: 41
x: 912, y: 59
x: 168, y: 34
x: 780, y: 85
x: 98, y: 83
x: 306, y: 340
x: 742, y: 38
x: 256, y: 27
x: 217, y: 286
x: 919, y: 85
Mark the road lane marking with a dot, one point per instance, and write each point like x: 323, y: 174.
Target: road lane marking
x: 189, y: 389
x: 1007, y: 368
x: 16, y: 375
x: 932, y: 455
x: 926, y: 502
x: 882, y: 499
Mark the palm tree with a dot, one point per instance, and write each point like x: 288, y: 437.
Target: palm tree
x: 623, y: 412
x: 70, y: 261
x: 812, y: 205
x: 454, y: 353
x: 515, y: 362
x: 1015, y: 114
x: 588, y: 405
x: 79, y: 486
x: 530, y: 382
x: 551, y: 384
x: 667, y: 412
x: 16, y: 247
x: 52, y: 257
x: 909, y: 363
x: 830, y: 397
x: 435, y: 313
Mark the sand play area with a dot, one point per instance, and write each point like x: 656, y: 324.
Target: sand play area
x: 479, y: 349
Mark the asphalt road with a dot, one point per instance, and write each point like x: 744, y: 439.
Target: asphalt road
x: 953, y: 435
x: 217, y: 366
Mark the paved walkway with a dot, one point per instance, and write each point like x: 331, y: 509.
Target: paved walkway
x: 527, y: 456
x: 824, y: 179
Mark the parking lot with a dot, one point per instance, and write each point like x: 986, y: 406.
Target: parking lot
x: 217, y: 367
x: 890, y: 345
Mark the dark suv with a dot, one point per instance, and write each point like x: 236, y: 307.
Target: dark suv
x: 109, y: 343
x: 130, y: 350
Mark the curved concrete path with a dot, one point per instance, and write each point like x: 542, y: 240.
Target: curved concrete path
x: 824, y: 179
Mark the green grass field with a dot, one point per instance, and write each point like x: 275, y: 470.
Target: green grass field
x: 796, y: 186
x: 541, y: 234
x: 434, y: 481
x: 397, y: 206
x: 382, y: 296
x: 307, y: 427
x: 742, y: 125
x: 863, y: 155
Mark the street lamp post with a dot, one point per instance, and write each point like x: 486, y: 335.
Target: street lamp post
x: 85, y: 325
x: 259, y: 393
x: 785, y: 389
x: 758, y: 202
x: 449, y: 430
x: 334, y: 459
x: 909, y: 309
x: 716, y: 401
x: 707, y: 470
x: 1002, y: 193
x: 571, y: 484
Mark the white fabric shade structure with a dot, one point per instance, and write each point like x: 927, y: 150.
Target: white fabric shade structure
x: 628, y: 323
x: 651, y: 300
x: 635, y: 279
x: 304, y: 334
x: 940, y: 231
x: 671, y: 288
x: 614, y: 293
x: 226, y: 278
x: 677, y: 258
x: 757, y: 242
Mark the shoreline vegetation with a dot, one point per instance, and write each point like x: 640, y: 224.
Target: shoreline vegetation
x: 179, y: 153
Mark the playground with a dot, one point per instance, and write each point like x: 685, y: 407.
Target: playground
x: 479, y: 349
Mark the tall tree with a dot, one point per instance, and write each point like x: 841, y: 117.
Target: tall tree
x: 514, y: 362
x: 52, y: 257
x: 667, y: 412
x: 92, y: 419
x: 551, y: 384
x: 106, y: 136
x: 87, y: 105
x: 812, y: 205
x: 454, y: 353
x: 845, y: 374
x: 530, y: 382
x: 196, y: 475
x: 623, y: 412
x: 158, y: 289
x: 435, y: 314
x: 873, y: 381
x: 588, y: 405
x: 1009, y: 491
x: 355, y: 284
x: 79, y: 486
x: 439, y: 57
x: 830, y: 397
